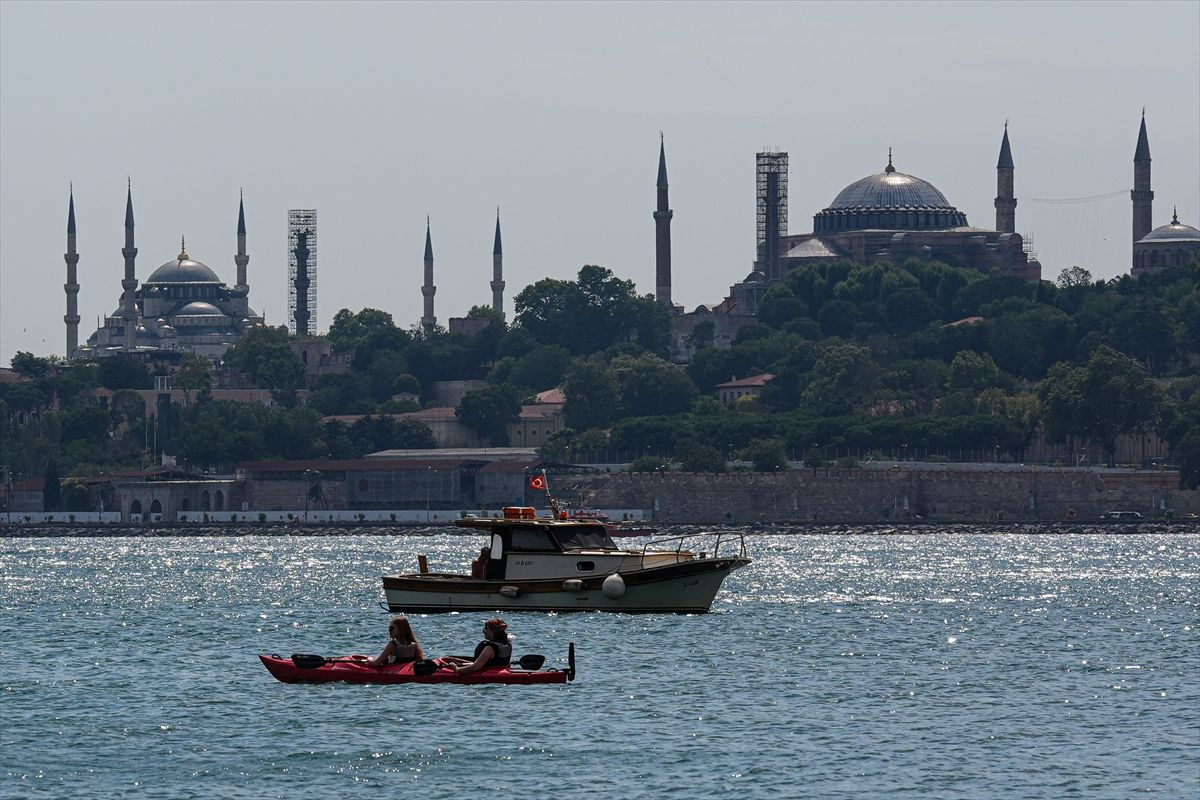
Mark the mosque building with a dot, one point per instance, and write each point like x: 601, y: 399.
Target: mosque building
x: 1170, y: 245
x: 890, y: 216
x: 182, y: 306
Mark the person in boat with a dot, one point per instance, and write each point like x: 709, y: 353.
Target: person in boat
x: 402, y: 645
x: 494, y: 651
x: 479, y: 565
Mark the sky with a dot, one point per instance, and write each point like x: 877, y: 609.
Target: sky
x: 378, y: 114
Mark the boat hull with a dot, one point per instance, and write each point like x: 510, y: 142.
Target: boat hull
x: 354, y: 670
x: 686, y: 587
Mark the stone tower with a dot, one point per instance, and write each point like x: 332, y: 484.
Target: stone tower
x: 241, y: 259
x: 662, y: 232
x: 1142, y: 196
x: 497, y: 269
x: 428, y: 320
x: 1006, y: 203
x: 72, y: 284
x: 129, y: 312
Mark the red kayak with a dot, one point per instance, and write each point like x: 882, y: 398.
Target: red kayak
x: 354, y: 669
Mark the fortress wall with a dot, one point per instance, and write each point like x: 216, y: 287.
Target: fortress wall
x: 836, y: 495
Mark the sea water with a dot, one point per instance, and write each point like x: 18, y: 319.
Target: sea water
x: 936, y: 666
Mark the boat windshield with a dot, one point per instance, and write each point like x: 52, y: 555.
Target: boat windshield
x: 584, y: 537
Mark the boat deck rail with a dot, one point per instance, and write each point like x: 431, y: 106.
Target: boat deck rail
x: 711, y: 541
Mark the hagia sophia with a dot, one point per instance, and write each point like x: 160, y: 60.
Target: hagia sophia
x: 888, y: 216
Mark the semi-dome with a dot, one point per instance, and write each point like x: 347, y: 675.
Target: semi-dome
x: 199, y: 308
x: 889, y: 200
x: 1174, y: 231
x: 183, y: 270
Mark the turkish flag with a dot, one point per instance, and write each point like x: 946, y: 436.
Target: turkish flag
x: 537, y: 483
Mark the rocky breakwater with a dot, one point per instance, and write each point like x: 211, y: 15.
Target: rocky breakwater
x: 243, y: 529
x: 943, y: 493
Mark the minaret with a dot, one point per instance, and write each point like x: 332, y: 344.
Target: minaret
x: 72, y: 285
x: 300, y: 284
x: 1143, y: 197
x: 241, y: 259
x: 428, y: 320
x: 497, y: 268
x: 1006, y: 203
x: 129, y: 283
x: 662, y: 232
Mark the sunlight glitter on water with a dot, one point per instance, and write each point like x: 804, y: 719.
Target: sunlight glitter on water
x: 849, y: 665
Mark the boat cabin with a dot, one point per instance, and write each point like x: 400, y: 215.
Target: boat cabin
x: 526, y: 546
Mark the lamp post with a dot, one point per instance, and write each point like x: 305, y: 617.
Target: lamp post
x: 428, y: 488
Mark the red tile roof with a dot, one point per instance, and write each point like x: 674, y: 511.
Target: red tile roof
x: 753, y: 381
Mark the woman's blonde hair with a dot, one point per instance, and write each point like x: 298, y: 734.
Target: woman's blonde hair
x: 404, y: 633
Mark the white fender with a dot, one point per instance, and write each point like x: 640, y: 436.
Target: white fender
x: 573, y: 585
x: 614, y: 586
x: 509, y: 591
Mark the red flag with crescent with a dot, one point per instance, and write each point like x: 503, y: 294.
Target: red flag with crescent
x: 537, y: 483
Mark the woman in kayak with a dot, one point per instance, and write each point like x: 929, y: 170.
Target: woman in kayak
x: 401, y: 647
x: 494, y: 651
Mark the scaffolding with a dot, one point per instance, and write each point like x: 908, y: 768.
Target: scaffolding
x: 302, y: 271
x: 771, y: 210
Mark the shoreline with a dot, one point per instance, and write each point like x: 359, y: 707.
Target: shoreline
x: 799, y: 528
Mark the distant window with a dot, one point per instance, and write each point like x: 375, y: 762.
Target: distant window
x: 362, y: 484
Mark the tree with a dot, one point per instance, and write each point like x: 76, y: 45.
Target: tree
x: 702, y: 335
x: 592, y: 394
x: 591, y: 314
x: 539, y: 369
x: 1108, y: 396
x: 844, y: 376
x: 29, y: 365
x: 1143, y: 328
x: 1074, y: 277
x: 972, y: 371
x: 348, y: 329
x: 124, y: 372
x: 767, y: 455
x: 194, y: 376
x: 650, y: 386
x: 264, y: 353
x: 696, y: 457
x: 51, y: 491
x: 489, y: 411
x: 909, y: 309
x: 75, y: 495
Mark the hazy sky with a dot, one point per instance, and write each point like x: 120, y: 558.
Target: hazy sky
x: 377, y: 114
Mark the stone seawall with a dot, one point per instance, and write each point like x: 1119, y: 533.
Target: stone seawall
x: 901, y: 493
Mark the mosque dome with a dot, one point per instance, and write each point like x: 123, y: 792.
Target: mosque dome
x: 183, y: 270
x: 199, y: 308
x: 1174, y: 231
x: 889, y: 200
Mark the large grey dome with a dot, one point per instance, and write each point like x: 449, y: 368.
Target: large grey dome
x: 1174, y: 231
x: 889, y: 200
x: 183, y: 270
x: 890, y: 189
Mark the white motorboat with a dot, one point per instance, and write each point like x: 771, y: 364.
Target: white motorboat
x: 552, y: 563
